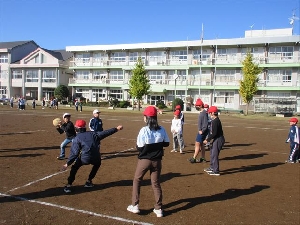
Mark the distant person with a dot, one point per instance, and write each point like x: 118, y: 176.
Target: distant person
x: 43, y: 103
x: 294, y: 140
x: 33, y: 104
x: 76, y: 104
x: 11, y: 101
x: 84, y: 151
x: 151, y: 141
x: 68, y: 128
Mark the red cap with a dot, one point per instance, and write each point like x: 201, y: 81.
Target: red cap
x: 294, y: 119
x: 206, y: 106
x: 213, y: 109
x: 80, y: 124
x: 150, y: 111
x: 178, y: 107
x: 177, y: 113
x: 199, y: 102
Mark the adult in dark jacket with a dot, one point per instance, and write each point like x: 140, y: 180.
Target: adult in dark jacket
x: 151, y: 140
x: 68, y: 128
x: 85, y: 150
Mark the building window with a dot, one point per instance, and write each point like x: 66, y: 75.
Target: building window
x: 278, y: 94
x: 180, y: 55
x: 155, y: 75
x: 99, y: 74
x: 3, y: 74
x: 85, y: 93
x: 222, y: 97
x: 99, y: 57
x: 49, y: 76
x: 205, y: 55
x: 133, y: 56
x: 82, y: 58
x: 117, y: 94
x: 3, y: 58
x: 82, y: 75
x: 278, y: 76
x: 17, y: 74
x: 99, y: 93
x: 118, y: 57
x: 32, y: 76
x: 281, y: 52
x: 3, y: 90
x: 116, y: 75
x: 225, y: 76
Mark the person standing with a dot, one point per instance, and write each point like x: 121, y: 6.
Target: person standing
x: 216, y: 137
x: 84, y: 151
x: 33, y: 104
x: 151, y: 140
x: 11, y: 101
x: 96, y: 123
x: 76, y: 104
x: 202, y: 132
x: 68, y: 128
x: 43, y: 103
x: 176, y: 129
x: 293, y: 139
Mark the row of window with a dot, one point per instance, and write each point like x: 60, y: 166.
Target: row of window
x: 283, y: 51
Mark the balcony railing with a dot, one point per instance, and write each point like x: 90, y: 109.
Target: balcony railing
x: 224, y: 60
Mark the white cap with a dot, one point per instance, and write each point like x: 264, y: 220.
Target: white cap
x: 66, y: 114
x: 96, y: 111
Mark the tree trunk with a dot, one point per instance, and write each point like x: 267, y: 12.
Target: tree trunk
x: 247, y: 106
x: 139, y: 105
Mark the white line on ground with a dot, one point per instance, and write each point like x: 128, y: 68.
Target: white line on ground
x: 44, y: 178
x: 76, y: 210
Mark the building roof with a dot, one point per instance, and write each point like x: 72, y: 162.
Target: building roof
x: 12, y: 44
x: 59, y: 54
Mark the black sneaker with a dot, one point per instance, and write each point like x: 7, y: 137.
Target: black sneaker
x: 61, y: 157
x: 202, y: 160
x: 192, y: 160
x: 88, y: 184
x: 67, y: 189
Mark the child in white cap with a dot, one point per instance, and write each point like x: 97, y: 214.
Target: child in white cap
x: 96, y: 122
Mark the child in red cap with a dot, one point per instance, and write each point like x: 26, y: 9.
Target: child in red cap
x: 293, y: 139
x: 176, y: 129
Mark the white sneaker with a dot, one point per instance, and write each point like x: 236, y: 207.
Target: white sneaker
x: 133, y: 208
x: 174, y: 150
x: 158, y: 212
x: 181, y: 151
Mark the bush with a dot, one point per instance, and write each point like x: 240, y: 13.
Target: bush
x: 123, y: 104
x: 160, y: 104
x: 177, y: 101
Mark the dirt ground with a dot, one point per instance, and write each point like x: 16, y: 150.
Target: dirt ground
x: 255, y: 186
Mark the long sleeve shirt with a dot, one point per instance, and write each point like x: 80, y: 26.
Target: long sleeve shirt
x: 293, y: 136
x: 67, y: 128
x: 176, y: 126
x: 203, y: 122
x: 216, y: 129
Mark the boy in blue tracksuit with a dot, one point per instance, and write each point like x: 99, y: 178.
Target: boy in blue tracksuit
x: 293, y: 139
x: 84, y: 151
x: 96, y: 123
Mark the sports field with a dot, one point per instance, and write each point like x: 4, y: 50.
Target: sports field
x: 255, y: 186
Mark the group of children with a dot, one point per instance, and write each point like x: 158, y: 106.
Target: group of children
x: 151, y: 141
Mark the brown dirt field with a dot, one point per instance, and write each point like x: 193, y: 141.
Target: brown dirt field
x: 255, y: 186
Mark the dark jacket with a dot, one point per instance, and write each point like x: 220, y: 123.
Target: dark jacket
x: 96, y: 124
x: 86, y: 146
x: 216, y: 129
x: 68, y: 128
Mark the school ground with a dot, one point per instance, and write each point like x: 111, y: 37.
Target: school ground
x: 255, y: 186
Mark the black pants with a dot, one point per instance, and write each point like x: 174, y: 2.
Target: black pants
x: 78, y: 164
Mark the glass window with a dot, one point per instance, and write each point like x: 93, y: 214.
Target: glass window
x: 116, y: 93
x: 32, y: 76
x: 225, y: 76
x: 222, y: 97
x: 3, y: 90
x: 82, y: 57
x: 99, y: 93
x: 116, y: 75
x: 99, y: 74
x: 155, y: 75
x: 278, y: 76
x: 82, y: 74
x: 17, y: 74
x: 178, y: 55
x: 3, y: 58
x: 49, y: 76
x: 118, y: 56
x: 133, y: 56
x: 82, y: 93
x: 99, y: 57
x: 285, y: 52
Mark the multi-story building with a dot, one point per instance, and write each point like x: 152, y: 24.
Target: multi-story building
x: 11, y: 52
x: 209, y: 69
x: 32, y: 72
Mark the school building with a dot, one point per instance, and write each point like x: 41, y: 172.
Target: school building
x: 32, y: 72
x: 209, y: 69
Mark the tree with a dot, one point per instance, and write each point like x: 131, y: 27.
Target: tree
x: 139, y: 83
x: 248, y: 85
x: 61, y: 92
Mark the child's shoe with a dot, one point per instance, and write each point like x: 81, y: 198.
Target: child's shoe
x: 174, y: 150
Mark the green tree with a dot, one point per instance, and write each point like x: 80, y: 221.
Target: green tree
x: 61, y: 92
x: 139, y: 83
x: 248, y: 85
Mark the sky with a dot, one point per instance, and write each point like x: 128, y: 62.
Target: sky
x: 55, y: 24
